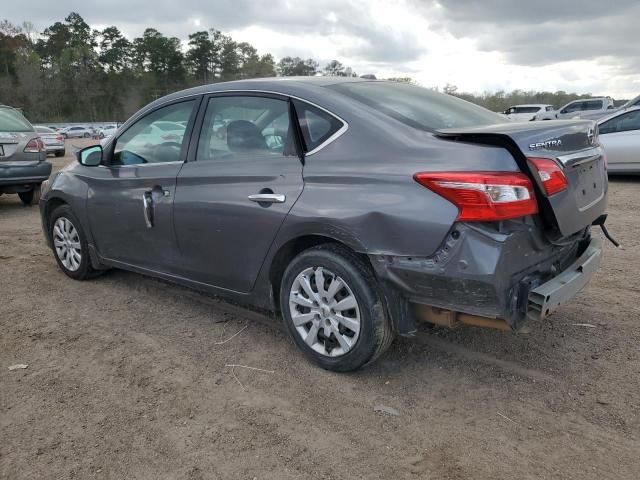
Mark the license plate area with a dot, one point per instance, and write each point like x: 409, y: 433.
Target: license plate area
x: 589, y: 183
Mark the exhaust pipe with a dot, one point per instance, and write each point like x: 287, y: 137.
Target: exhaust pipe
x: 451, y: 319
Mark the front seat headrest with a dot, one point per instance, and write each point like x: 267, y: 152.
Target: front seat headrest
x: 243, y: 135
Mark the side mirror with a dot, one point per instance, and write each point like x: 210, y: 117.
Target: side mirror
x: 90, y: 156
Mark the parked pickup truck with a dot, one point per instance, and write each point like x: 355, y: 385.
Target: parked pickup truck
x: 578, y: 109
x: 23, y: 157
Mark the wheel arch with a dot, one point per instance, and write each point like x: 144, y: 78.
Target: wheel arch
x: 293, y: 247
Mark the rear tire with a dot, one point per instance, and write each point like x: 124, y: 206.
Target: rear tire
x: 338, y: 339
x: 32, y: 197
x: 86, y: 135
x: 67, y: 237
x: 60, y: 153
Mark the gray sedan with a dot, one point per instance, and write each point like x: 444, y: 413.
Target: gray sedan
x: 620, y: 137
x: 354, y: 208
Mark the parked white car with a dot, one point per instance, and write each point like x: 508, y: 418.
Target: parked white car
x: 525, y: 113
x: 578, y: 109
x: 620, y: 137
x: 106, y: 131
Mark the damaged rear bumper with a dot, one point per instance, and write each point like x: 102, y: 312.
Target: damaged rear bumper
x: 546, y: 298
x: 511, y: 273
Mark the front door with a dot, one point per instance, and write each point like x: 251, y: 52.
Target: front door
x: 233, y: 197
x: 130, y: 199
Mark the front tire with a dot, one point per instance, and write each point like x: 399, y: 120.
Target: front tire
x: 332, y: 309
x: 69, y: 242
x: 32, y: 197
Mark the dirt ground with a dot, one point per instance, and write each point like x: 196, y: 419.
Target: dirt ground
x: 127, y: 378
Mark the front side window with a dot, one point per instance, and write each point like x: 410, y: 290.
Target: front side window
x: 573, y: 107
x: 317, y: 125
x: 150, y: 140
x: 623, y: 123
x: 242, y: 128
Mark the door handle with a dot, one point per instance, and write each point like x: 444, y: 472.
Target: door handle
x: 147, y: 204
x: 268, y: 198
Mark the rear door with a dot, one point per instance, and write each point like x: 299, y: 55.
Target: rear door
x: 242, y: 178
x: 130, y: 199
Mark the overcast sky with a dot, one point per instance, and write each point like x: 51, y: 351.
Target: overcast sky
x: 573, y: 45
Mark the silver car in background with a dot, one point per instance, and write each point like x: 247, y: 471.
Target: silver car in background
x: 23, y: 158
x: 620, y: 137
x: 53, y: 141
x: 76, y: 132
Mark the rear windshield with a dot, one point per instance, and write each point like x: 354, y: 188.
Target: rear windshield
x: 418, y: 107
x: 12, y: 121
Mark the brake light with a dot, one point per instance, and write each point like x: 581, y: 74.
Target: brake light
x: 34, y: 145
x: 483, y: 196
x: 60, y: 138
x: 550, y: 174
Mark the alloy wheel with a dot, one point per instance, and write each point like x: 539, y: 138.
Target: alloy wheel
x: 66, y: 242
x: 324, y: 311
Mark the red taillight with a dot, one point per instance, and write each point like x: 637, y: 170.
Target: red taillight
x: 60, y: 138
x: 34, y: 145
x: 550, y: 174
x: 483, y: 196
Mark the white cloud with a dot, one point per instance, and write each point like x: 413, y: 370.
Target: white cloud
x: 493, y: 45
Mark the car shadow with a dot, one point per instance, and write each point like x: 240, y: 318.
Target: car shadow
x: 483, y: 354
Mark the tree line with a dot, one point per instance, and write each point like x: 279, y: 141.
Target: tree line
x: 70, y: 72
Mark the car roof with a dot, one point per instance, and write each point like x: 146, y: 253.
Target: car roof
x: 617, y: 113
x: 311, y: 89
x: 532, y: 105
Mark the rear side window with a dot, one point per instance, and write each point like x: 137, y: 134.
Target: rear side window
x: 592, y: 105
x: 526, y: 109
x: 418, y: 107
x: 12, y: 120
x: 245, y: 128
x: 317, y: 125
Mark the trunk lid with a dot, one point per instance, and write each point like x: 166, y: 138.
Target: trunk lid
x: 573, y: 145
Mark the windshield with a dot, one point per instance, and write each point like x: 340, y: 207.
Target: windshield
x: 418, y: 107
x: 12, y: 120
